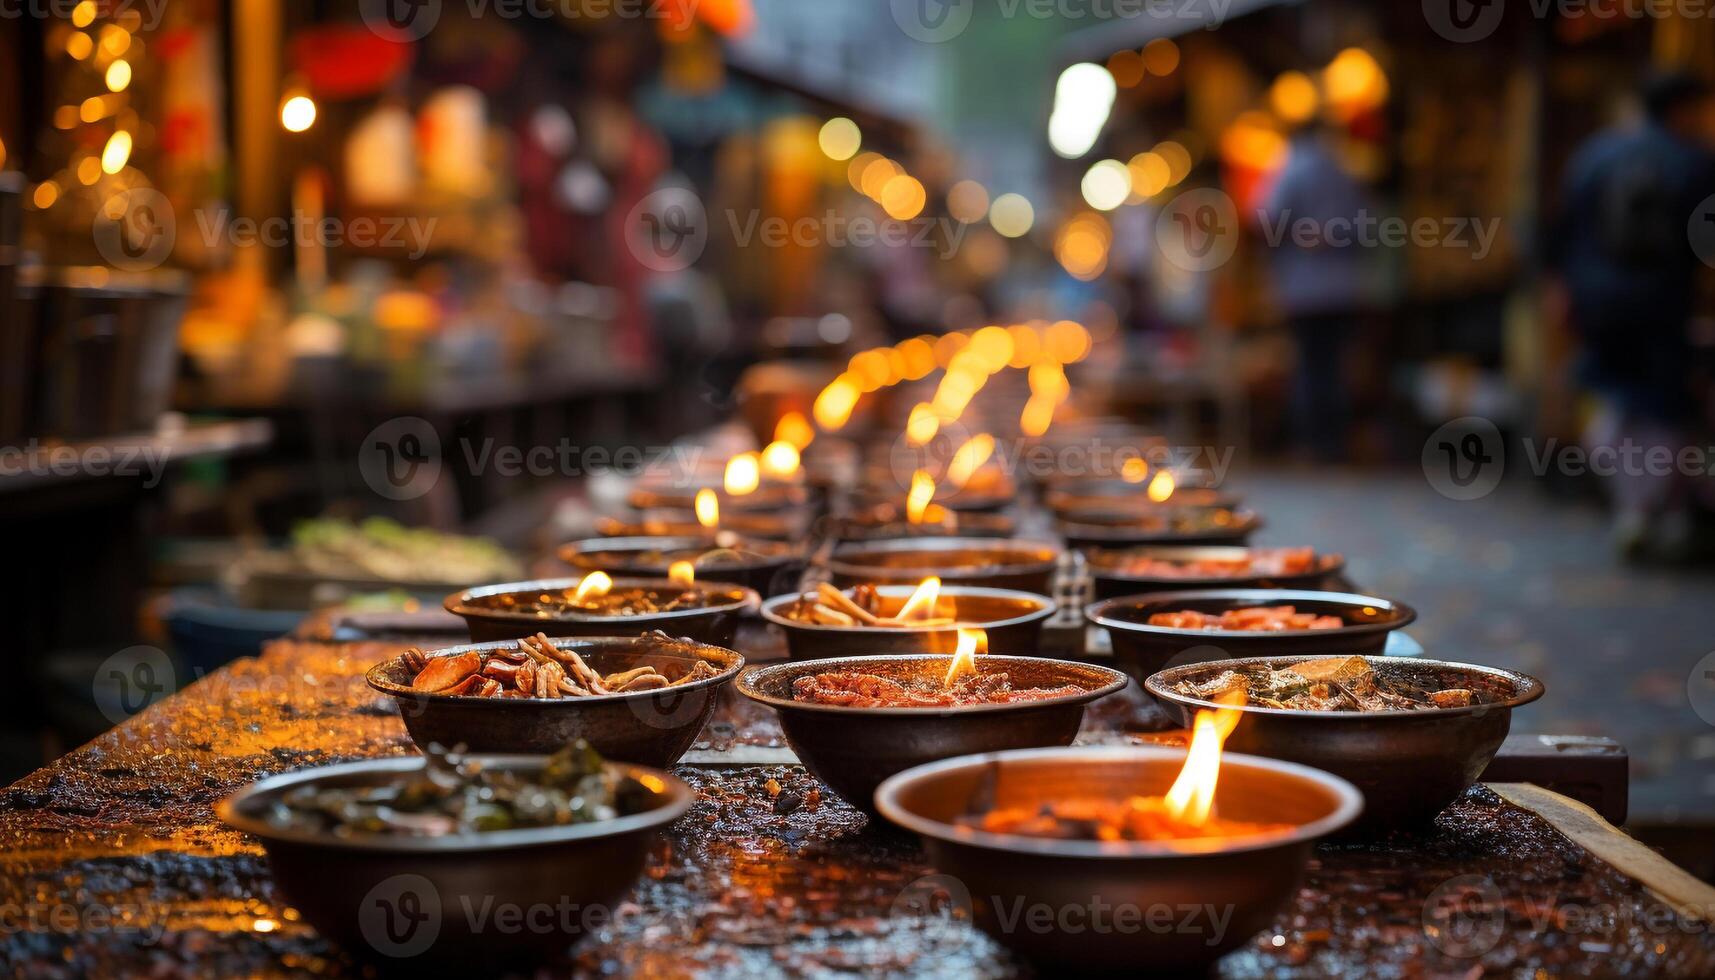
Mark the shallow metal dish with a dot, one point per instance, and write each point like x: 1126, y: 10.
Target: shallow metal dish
x: 1245, y: 881
x: 1186, y: 526
x: 1109, y: 583
x: 786, y: 525
x: 1012, y: 619
x: 1143, y: 649
x: 1001, y: 563
x: 853, y: 749
x: 867, y: 527
x: 406, y: 901
x: 768, y: 567
x: 716, y: 623
x: 652, y: 728
x: 768, y: 497
x: 1122, y: 496
x: 1409, y: 764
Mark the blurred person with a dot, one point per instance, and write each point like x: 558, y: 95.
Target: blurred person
x: 1322, y: 281
x: 1628, y: 283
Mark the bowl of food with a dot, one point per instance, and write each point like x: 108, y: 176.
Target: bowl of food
x: 599, y: 605
x: 854, y: 721
x: 1163, y: 525
x: 766, y: 567
x: 1135, y: 571
x: 1412, y: 734
x: 387, y: 857
x: 1153, y: 630
x: 1001, y: 563
x: 926, y: 618
x: 640, y: 699
x: 1095, y: 830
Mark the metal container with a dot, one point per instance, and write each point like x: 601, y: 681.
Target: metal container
x: 1169, y: 526
x: 405, y: 902
x: 716, y: 623
x: 787, y: 525
x: 1108, y: 582
x: 1123, y: 496
x: 1001, y: 563
x: 768, y: 498
x: 651, y: 728
x: 853, y: 749
x: 768, y: 567
x: 1162, y: 886
x: 869, y: 527
x: 1012, y: 619
x: 1143, y: 649
x: 1409, y: 764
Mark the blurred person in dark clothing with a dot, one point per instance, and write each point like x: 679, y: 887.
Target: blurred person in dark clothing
x: 1630, y: 275
x: 1322, y: 281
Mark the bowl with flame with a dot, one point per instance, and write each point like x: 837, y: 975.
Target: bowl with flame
x: 1109, y: 496
x: 1151, y: 631
x: 1036, y: 844
x: 1162, y: 524
x: 765, y: 566
x: 1411, y: 733
x: 706, y: 518
x: 925, y: 618
x: 1133, y: 571
x: 1001, y: 563
x: 854, y: 721
x: 600, y: 605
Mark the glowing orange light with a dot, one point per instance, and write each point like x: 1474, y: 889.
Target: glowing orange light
x: 708, y: 508
x: 1161, y: 487
x: 833, y: 407
x: 918, y: 498
x: 1134, y: 470
x: 922, y: 425
x: 1037, y: 416
x: 794, y: 428
x: 593, y: 584
x: 780, y: 460
x: 1191, y: 800
x: 921, y: 605
x: 743, y: 475
x: 682, y: 573
x: 971, y: 643
x: 970, y: 457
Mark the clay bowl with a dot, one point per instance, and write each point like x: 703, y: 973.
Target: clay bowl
x: 1143, y: 649
x: 853, y: 749
x: 788, y: 525
x: 1163, y: 526
x: 1012, y: 619
x: 1409, y: 764
x: 764, y: 566
x: 1000, y: 563
x: 715, y: 623
x: 652, y: 728
x: 885, y: 523
x: 1122, y: 497
x: 769, y: 497
x: 1110, y: 580
x: 1248, y: 879
x: 402, y: 902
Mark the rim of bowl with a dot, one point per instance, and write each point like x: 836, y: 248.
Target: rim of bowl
x: 1048, y: 554
x: 1097, y: 613
x: 403, y: 692
x: 1337, y: 566
x: 766, y: 552
x: 678, y: 793
x: 1349, y: 802
x: 1046, y: 608
x: 1525, y: 687
x: 457, y: 602
x: 1116, y: 681
x: 1244, y: 522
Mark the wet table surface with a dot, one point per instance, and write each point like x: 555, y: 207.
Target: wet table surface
x: 112, y: 863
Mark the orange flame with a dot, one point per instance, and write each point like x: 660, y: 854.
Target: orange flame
x: 708, y: 508
x: 833, y: 407
x: 919, y: 497
x: 922, y: 425
x: 971, y: 643
x: 921, y: 605
x: 1161, y: 487
x: 780, y: 460
x: 1134, y: 470
x: 593, y: 584
x: 743, y: 475
x: 794, y: 428
x: 1191, y: 800
x: 969, y: 458
x: 682, y: 573
x: 1037, y: 416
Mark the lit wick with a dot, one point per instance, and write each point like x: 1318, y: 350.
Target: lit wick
x: 593, y: 584
x: 971, y: 643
